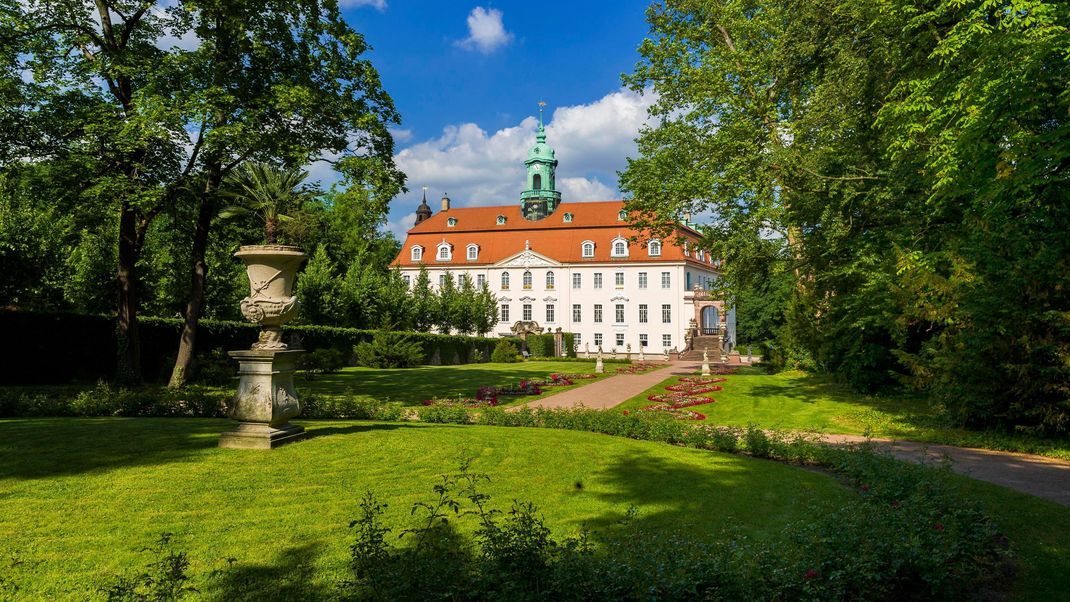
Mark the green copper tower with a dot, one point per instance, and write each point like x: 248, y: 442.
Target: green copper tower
x: 541, y: 197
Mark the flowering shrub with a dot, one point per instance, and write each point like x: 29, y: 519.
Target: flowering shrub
x: 462, y: 402
x: 639, y: 368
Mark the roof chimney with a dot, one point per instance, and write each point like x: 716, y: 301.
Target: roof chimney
x: 445, y: 203
x: 687, y: 218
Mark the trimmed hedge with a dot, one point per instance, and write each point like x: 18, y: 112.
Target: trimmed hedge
x: 52, y: 348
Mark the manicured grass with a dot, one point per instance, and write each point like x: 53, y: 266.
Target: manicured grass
x: 81, y: 498
x: 414, y: 385
x: 806, y: 402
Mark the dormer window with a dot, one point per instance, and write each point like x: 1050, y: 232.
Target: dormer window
x: 568, y: 218
x: 622, y: 215
x: 451, y: 222
x: 473, y: 252
x: 620, y: 248
x: 501, y: 220
x: 653, y: 248
x: 445, y: 252
x: 417, y: 253
x: 588, y: 249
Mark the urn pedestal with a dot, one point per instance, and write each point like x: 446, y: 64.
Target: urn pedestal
x: 266, y: 400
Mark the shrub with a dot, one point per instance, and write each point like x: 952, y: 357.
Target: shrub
x: 389, y: 350
x: 321, y: 361
x: 505, y: 352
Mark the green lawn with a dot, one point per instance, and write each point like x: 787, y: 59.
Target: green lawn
x: 80, y: 498
x: 414, y: 385
x: 807, y: 402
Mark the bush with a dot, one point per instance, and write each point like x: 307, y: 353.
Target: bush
x: 505, y: 352
x: 321, y: 361
x: 389, y: 350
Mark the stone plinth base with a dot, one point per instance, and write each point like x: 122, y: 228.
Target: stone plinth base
x: 257, y: 435
x: 266, y: 400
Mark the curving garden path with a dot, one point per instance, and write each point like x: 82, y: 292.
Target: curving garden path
x: 1047, y: 478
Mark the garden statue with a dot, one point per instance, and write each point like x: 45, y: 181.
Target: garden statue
x: 266, y: 399
x: 705, y: 361
x: 641, y: 357
x: 666, y: 354
x: 587, y: 350
x: 599, y: 367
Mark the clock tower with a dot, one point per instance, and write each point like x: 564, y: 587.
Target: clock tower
x: 541, y: 197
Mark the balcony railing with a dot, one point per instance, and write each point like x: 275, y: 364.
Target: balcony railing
x: 540, y: 194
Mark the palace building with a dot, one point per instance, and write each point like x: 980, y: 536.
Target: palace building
x: 572, y: 266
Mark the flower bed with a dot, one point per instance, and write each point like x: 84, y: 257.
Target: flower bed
x: 639, y: 368
x: 685, y: 393
x: 461, y: 402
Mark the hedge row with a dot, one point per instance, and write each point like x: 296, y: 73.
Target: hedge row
x: 52, y: 348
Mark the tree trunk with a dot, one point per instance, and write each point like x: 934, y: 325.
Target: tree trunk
x: 128, y: 366
x: 195, y: 304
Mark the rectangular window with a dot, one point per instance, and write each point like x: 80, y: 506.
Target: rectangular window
x: 666, y: 314
x: 481, y: 279
x: 577, y: 313
x: 576, y: 341
x: 620, y: 339
x: 550, y: 313
x: 666, y: 341
x: 441, y: 280
x: 577, y: 280
x: 598, y: 313
x: 597, y: 339
x: 527, y: 312
x: 619, y: 313
x: 642, y: 340
x: 406, y: 279
x: 642, y: 279
x: 598, y: 279
x: 618, y: 279
x: 504, y: 313
x: 665, y: 281
x: 642, y: 313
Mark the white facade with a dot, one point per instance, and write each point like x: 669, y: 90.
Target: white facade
x: 615, y: 305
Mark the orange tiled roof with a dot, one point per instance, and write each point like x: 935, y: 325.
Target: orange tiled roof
x: 552, y: 236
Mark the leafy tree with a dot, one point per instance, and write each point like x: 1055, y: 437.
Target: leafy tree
x: 467, y: 307
x: 317, y: 287
x: 485, y: 310
x: 449, y: 304
x: 424, y: 302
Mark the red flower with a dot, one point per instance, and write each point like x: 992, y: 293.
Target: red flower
x: 895, y: 504
x: 938, y: 527
x: 865, y: 488
x: 428, y: 402
x: 812, y: 574
x: 626, y: 412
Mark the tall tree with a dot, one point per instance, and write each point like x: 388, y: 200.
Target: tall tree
x: 281, y: 80
x: 424, y: 302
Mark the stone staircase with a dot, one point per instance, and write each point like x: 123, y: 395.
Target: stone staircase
x: 713, y: 343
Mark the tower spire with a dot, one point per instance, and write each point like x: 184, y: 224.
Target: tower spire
x: 540, y: 134
x: 541, y: 197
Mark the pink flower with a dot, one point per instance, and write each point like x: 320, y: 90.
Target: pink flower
x: 812, y: 574
x: 865, y: 488
x: 895, y: 504
x: 938, y: 527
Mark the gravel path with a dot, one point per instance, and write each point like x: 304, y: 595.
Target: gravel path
x: 1047, y: 478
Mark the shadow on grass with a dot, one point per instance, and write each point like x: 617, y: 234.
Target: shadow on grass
x: 44, y: 447
x: 316, y: 431
x: 756, y: 498
x: 290, y: 576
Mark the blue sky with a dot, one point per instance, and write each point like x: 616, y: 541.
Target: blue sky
x: 466, y: 77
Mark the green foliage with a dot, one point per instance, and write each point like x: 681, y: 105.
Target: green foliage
x: 389, y: 350
x: 889, y: 205
x: 322, y: 361
x: 540, y: 345
x: 166, y: 578
x: 505, y: 352
x: 267, y: 192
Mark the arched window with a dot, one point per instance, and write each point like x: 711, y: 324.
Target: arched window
x: 588, y: 248
x: 505, y: 281
x: 473, y: 252
x: 527, y: 279
x: 653, y: 248
x: 620, y: 248
x: 549, y: 280
x: 445, y: 252
x: 417, y: 253
x: 536, y: 182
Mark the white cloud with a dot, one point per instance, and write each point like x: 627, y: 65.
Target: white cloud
x: 401, y: 135
x: 376, y: 4
x: 486, y: 32
x: 480, y: 168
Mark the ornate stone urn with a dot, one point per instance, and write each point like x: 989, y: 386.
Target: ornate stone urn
x: 266, y: 398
